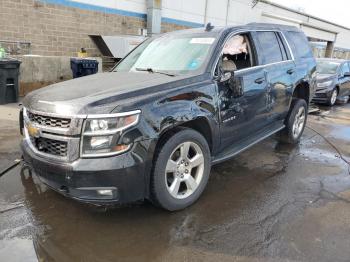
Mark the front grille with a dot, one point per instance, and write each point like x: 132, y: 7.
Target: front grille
x: 50, y: 146
x: 321, y: 95
x: 49, y: 121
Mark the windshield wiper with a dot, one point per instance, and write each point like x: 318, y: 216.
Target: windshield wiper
x: 150, y: 70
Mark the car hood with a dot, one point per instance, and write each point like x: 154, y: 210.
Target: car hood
x: 325, y: 77
x: 97, y: 93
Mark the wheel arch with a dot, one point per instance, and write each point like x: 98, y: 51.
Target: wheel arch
x: 169, y: 127
x: 338, y: 88
x: 200, y: 124
x: 302, y: 91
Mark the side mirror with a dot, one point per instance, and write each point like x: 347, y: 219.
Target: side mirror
x: 225, y: 76
x: 234, y: 83
x: 347, y: 74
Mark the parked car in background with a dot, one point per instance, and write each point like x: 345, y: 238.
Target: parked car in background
x: 333, y: 80
x: 178, y: 103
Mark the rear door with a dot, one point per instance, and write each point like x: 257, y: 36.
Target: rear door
x: 280, y: 73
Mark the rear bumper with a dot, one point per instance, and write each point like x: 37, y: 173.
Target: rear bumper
x: 123, y: 176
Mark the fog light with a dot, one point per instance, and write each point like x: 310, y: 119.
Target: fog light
x: 105, y: 192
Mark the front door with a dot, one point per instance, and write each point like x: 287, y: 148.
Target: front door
x: 243, y: 97
x: 344, y: 81
x: 243, y: 115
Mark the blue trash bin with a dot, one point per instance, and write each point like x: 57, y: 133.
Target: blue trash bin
x: 83, y: 67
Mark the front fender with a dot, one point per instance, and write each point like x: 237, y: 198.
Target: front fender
x: 177, y: 109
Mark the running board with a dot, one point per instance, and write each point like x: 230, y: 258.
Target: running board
x: 247, y: 143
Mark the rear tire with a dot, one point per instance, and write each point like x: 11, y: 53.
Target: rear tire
x: 295, y: 122
x: 181, y: 170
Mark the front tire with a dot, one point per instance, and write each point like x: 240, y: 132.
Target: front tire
x: 333, y: 98
x: 181, y: 170
x: 295, y: 122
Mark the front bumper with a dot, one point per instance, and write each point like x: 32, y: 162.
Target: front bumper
x: 124, y: 175
x: 323, y: 95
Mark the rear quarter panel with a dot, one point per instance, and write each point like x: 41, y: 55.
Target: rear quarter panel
x: 305, y: 64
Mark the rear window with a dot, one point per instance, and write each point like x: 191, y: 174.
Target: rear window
x: 270, y: 47
x: 299, y: 44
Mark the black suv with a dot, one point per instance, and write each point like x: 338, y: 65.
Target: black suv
x: 333, y: 80
x: 174, y: 106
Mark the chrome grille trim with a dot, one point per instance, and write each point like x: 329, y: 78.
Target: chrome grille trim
x: 72, y: 134
x: 49, y: 121
x: 55, y: 114
x: 50, y: 146
x: 57, y: 136
x: 75, y: 123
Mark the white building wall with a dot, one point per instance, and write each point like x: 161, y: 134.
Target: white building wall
x: 232, y: 12
x: 216, y: 12
x: 186, y: 10
x: 138, y: 6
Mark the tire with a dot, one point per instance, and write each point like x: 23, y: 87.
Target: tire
x: 333, y: 97
x: 174, y: 189
x: 289, y: 134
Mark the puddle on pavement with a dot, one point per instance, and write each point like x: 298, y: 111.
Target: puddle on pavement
x: 339, y: 114
x: 244, y: 212
x: 342, y: 132
x: 237, y: 206
x: 328, y: 232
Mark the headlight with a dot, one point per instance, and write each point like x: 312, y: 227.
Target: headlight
x: 325, y: 84
x: 101, y: 133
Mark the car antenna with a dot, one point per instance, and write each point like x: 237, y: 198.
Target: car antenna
x: 209, y: 27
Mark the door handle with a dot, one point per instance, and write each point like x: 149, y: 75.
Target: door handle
x: 290, y: 71
x: 259, y: 80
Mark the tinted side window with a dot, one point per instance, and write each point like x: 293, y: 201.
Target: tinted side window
x: 270, y: 47
x: 284, y: 47
x: 299, y: 44
x: 345, y: 68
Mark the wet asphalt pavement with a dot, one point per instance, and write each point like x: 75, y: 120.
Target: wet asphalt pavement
x: 273, y: 202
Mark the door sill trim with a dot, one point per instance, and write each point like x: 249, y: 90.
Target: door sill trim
x: 234, y: 153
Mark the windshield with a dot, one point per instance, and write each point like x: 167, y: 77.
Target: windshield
x: 177, y: 54
x: 327, y: 67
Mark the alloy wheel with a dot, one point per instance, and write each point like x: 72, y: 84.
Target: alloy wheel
x: 299, y: 122
x: 334, y: 96
x: 184, y: 170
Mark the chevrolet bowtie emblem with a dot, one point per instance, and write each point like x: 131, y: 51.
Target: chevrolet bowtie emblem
x: 33, y: 131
